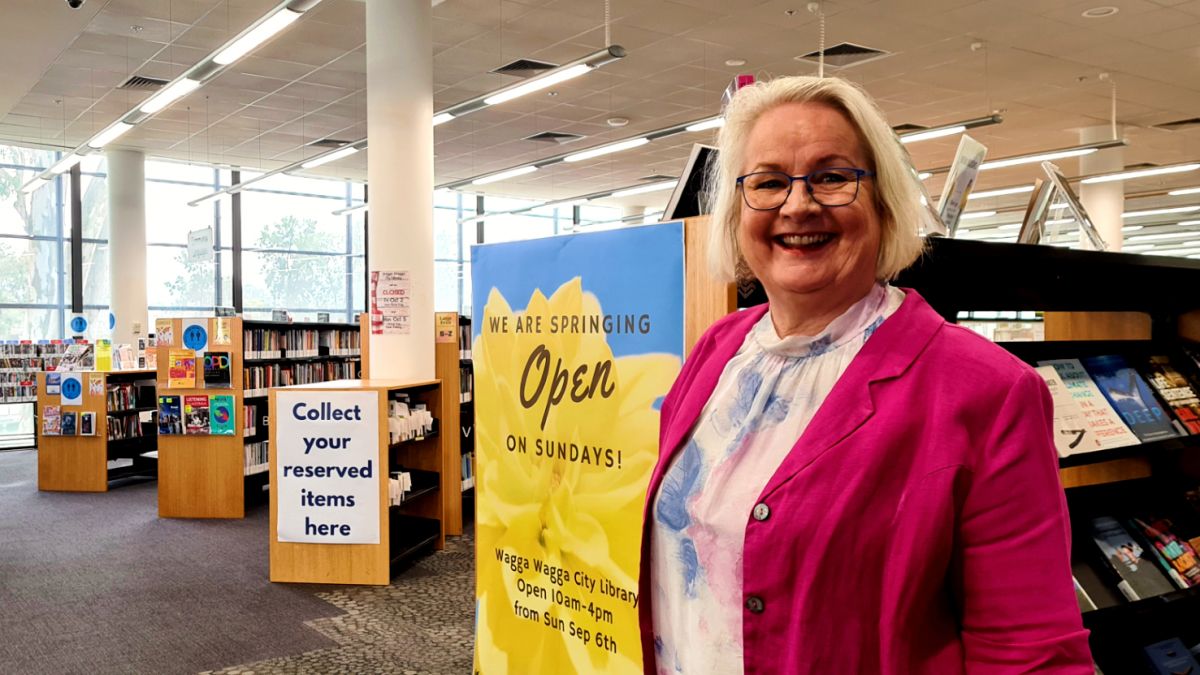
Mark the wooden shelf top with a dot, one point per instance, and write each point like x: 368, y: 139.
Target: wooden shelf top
x: 362, y: 385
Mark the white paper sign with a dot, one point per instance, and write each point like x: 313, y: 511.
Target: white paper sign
x: 200, y: 244
x: 390, y: 303
x: 195, y: 336
x: 72, y: 389
x: 327, y: 468
x: 960, y: 181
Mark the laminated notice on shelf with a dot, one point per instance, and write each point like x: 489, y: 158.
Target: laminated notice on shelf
x: 72, y: 389
x: 327, y: 469
x: 195, y: 335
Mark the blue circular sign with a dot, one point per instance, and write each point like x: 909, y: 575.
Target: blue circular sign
x: 71, y: 388
x: 195, y: 337
x: 112, y: 321
x: 78, y: 325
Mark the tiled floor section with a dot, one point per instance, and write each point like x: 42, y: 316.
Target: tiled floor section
x: 423, y: 623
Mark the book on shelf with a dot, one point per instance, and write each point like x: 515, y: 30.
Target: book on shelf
x: 53, y: 383
x: 1131, y: 397
x: 1071, y: 432
x: 170, y: 416
x: 1140, y: 576
x: 51, y: 420
x: 122, y: 396
x: 249, y: 420
x: 1175, y: 555
x: 67, y: 427
x: 87, y: 424
x: 164, y: 332
x: 1174, y: 389
x: 124, y: 426
x: 222, y: 331
x: 221, y: 417
x: 181, y: 372
x: 195, y: 411
x: 1102, y: 420
x: 217, y: 370
x: 1171, y: 657
x: 1086, y: 604
x: 257, y: 457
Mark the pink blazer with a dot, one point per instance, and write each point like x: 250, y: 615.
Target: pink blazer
x: 917, y: 526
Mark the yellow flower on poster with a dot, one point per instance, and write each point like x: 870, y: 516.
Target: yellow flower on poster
x: 566, y: 399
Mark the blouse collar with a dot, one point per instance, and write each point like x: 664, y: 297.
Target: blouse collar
x: 852, y: 323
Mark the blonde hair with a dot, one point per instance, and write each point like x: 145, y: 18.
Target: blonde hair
x: 897, y: 194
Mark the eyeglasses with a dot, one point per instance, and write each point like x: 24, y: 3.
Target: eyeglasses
x: 769, y: 190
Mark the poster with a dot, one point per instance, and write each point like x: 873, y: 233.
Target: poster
x: 390, y: 303
x: 195, y: 335
x: 95, y: 385
x: 72, y: 389
x: 575, y: 340
x: 446, y: 327
x: 327, y: 466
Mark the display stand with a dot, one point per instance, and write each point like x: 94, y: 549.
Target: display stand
x: 406, y: 530
x: 79, y: 463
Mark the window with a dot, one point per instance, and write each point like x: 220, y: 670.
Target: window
x: 32, y: 247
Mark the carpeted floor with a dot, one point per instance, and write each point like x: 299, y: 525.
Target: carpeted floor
x: 97, y: 583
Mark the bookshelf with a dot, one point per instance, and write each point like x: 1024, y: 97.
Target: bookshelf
x: 407, y: 529
x: 122, y: 432
x: 213, y: 476
x: 449, y: 368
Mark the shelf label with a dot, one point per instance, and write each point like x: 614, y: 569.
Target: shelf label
x: 327, y: 467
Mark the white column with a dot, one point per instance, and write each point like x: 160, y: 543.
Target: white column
x: 400, y: 174
x: 127, y: 243
x: 1104, y: 202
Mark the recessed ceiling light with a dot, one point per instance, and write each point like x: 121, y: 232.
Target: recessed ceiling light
x: 735, y: 62
x: 1099, y: 12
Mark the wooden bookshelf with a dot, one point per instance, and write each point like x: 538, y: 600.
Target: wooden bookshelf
x: 80, y: 463
x: 448, y: 364
x: 405, y: 531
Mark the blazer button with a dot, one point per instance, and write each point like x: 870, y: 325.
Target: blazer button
x: 762, y: 512
x: 755, y: 604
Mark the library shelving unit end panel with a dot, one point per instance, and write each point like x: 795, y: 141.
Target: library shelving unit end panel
x: 203, y: 476
x: 403, y: 530
x: 706, y: 299
x: 448, y: 363
x: 72, y: 463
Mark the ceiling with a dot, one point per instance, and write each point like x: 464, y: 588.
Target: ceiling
x: 1036, y: 62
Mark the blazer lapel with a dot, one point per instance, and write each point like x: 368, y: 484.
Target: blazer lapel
x: 886, y: 355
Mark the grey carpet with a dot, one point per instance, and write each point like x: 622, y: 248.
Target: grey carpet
x: 98, y: 583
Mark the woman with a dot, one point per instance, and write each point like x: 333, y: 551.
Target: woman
x: 847, y: 483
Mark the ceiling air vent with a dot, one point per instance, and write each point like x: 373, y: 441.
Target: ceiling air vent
x: 524, y: 68
x: 139, y: 83
x: 846, y: 54
x: 655, y: 178
x: 1178, y: 124
x: 553, y: 137
x: 328, y: 143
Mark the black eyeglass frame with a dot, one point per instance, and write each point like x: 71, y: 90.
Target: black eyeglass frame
x: 859, y: 174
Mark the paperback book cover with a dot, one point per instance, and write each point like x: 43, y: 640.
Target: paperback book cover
x: 195, y: 410
x: 53, y: 383
x: 181, y: 372
x: 1140, y: 577
x: 1101, y: 419
x: 87, y: 424
x: 1131, y: 397
x: 1176, y: 555
x: 170, y: 416
x: 164, y: 332
x: 217, y: 370
x: 68, y: 424
x: 1175, y: 391
x: 221, y: 416
x: 51, y: 420
x: 1071, y: 432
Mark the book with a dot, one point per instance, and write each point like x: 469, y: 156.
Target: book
x: 1072, y: 434
x: 67, y: 426
x: 87, y: 424
x: 221, y: 417
x: 164, y: 332
x: 53, y: 383
x: 1140, y: 577
x: 195, y: 411
x: 1176, y: 556
x: 1171, y: 657
x: 217, y: 370
x: 51, y: 420
x: 181, y: 373
x: 170, y: 416
x: 1102, y: 420
x: 1174, y: 389
x: 1131, y: 397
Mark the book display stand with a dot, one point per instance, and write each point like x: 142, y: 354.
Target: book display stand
x: 108, y: 435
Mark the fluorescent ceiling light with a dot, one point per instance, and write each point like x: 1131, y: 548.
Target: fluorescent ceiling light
x: 1138, y: 247
x: 1031, y: 159
x: 256, y: 36
x: 351, y: 209
x: 1132, y: 228
x: 331, y: 157
x: 652, y: 187
x: 1162, y: 237
x: 1010, y: 226
x: 706, y: 125
x: 929, y: 134
x: 538, y: 84
x: 1141, y: 173
x: 167, y: 96
x: 977, y: 214
x: 442, y: 118
x: 505, y: 175
x: 924, y: 175
x: 1189, y: 222
x: 1185, y: 191
x: 109, y: 135
x: 607, y: 149
x: 1001, y: 192
x: 1160, y: 212
x: 66, y: 163
x: 35, y: 184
